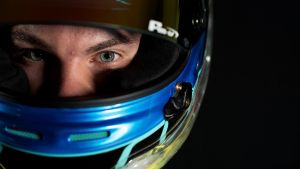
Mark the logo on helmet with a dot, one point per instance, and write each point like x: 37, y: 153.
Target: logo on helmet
x: 156, y: 26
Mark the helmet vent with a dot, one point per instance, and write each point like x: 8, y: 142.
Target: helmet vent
x: 23, y: 133
x: 88, y: 136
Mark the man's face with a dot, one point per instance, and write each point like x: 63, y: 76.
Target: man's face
x: 72, y: 60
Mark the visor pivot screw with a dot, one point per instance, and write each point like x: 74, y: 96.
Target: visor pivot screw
x: 178, y: 104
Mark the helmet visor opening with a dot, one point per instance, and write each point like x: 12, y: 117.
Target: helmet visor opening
x: 74, y: 61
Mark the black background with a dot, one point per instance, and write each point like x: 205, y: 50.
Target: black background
x: 249, y: 117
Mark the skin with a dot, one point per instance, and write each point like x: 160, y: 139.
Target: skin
x: 69, y: 61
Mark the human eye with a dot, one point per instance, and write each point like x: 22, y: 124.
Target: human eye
x: 107, y: 57
x: 31, y: 55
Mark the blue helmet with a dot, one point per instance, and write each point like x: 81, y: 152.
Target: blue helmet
x: 100, y: 84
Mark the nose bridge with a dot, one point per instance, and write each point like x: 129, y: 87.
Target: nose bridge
x: 75, y: 79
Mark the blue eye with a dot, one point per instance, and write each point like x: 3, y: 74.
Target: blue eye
x: 107, y: 57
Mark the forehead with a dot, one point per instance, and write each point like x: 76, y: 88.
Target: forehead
x: 76, y: 31
x: 59, y: 29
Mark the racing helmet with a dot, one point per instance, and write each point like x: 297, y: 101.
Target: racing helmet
x: 100, y: 83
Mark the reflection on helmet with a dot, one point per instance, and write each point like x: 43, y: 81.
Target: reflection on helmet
x: 87, y: 91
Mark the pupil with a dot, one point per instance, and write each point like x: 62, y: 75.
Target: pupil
x: 107, y: 57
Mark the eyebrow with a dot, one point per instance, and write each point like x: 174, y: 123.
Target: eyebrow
x: 31, y: 39
x: 118, y: 38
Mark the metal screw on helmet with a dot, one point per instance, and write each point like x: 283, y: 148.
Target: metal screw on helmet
x: 180, y: 102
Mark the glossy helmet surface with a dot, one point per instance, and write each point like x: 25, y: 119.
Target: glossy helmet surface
x: 145, y: 110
